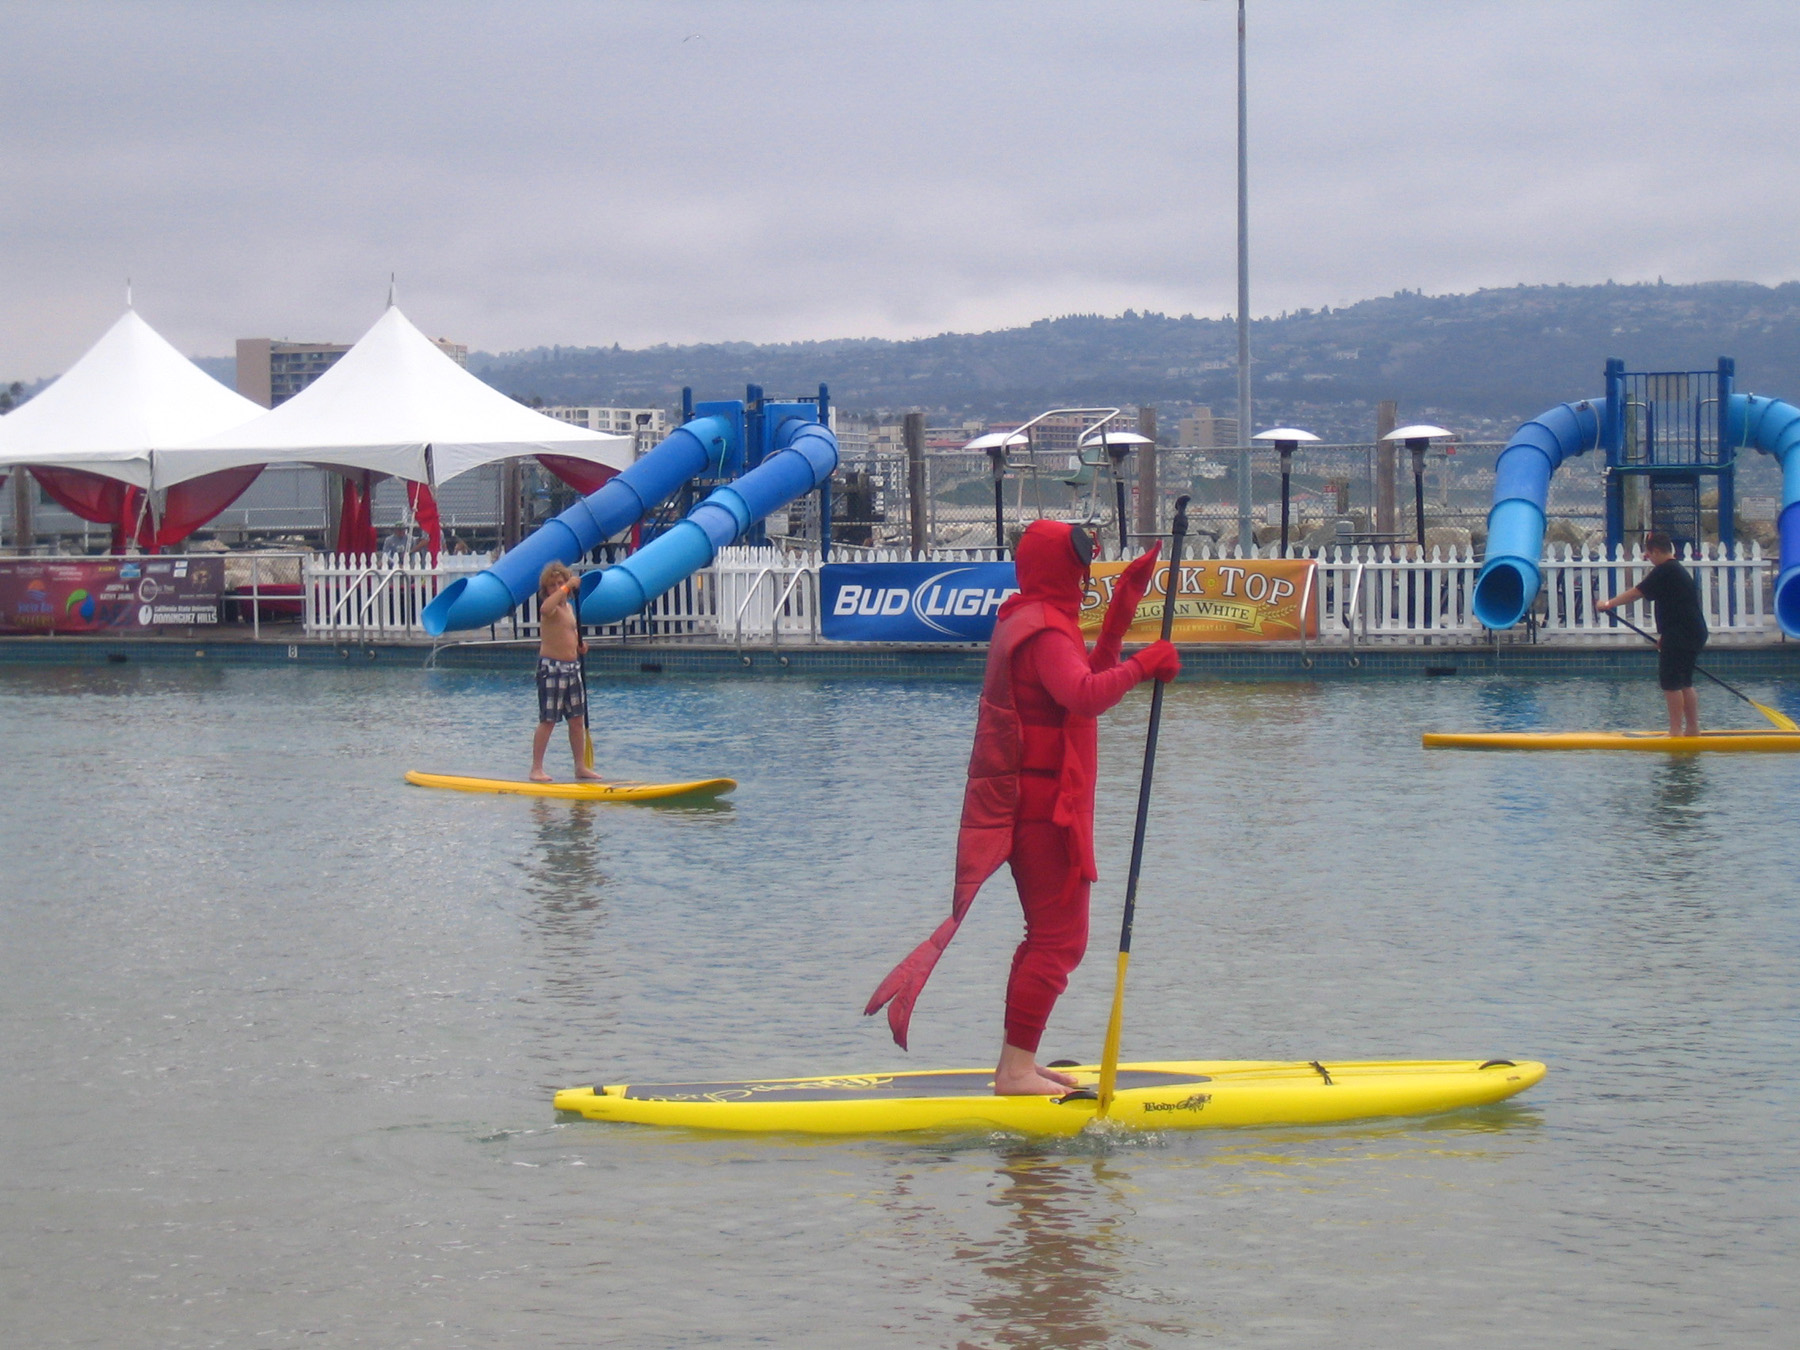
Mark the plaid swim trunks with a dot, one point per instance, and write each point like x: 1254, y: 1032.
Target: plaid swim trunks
x: 560, y: 691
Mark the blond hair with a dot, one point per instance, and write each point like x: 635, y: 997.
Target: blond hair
x: 553, y: 575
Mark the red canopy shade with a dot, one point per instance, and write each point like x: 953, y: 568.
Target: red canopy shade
x: 583, y: 475
x: 106, y: 501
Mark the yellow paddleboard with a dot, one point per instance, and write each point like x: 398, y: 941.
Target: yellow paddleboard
x: 580, y: 792
x: 1760, y: 739
x: 1178, y: 1095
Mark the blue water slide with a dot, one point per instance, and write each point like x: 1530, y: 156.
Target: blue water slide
x: 622, y: 501
x: 1509, y: 577
x: 1773, y: 427
x: 807, y: 456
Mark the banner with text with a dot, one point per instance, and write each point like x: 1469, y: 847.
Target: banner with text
x: 1218, y: 600
x: 91, y: 595
x: 912, y: 601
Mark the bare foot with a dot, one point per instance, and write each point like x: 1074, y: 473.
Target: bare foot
x: 1019, y: 1075
x: 586, y: 774
x: 539, y: 776
x: 1034, y: 1083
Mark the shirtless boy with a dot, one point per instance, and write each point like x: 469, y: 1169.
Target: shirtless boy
x: 561, y: 693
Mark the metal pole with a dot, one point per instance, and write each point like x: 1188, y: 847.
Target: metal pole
x: 913, y: 433
x: 1147, y: 513
x: 255, y: 597
x: 1245, y: 534
x: 1287, y: 459
x: 999, y: 458
x: 1418, y: 458
x: 1387, y: 417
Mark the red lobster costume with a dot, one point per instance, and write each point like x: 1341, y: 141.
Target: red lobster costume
x: 1030, y: 796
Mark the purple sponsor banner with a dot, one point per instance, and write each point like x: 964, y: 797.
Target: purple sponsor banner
x: 94, y: 595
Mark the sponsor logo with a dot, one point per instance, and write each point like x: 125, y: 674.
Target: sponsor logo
x: 937, y: 602
x: 1197, y: 1102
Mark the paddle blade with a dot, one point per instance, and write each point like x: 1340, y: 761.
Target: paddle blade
x: 1780, y: 719
x: 1115, y: 1028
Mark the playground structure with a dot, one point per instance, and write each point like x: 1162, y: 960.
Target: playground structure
x: 1664, y: 434
x: 756, y: 454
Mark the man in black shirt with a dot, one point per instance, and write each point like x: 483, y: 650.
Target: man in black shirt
x: 1681, y: 624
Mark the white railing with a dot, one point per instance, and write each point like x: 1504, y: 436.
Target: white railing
x: 1366, y: 595
x: 374, y: 595
x: 1386, y: 594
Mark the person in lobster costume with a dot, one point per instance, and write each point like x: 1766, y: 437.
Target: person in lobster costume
x: 1030, y: 796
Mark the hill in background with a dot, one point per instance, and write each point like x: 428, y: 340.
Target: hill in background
x: 1479, y: 363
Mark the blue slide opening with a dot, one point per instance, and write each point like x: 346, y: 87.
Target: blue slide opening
x: 1773, y: 427
x: 620, y: 502
x: 1510, y: 577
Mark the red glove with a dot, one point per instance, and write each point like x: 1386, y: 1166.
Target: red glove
x: 1159, y: 661
x: 1130, y: 588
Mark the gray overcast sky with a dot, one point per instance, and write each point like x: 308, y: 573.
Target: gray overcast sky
x: 784, y: 169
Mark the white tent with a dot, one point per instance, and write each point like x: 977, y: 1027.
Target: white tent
x: 395, y: 404
x: 129, y: 394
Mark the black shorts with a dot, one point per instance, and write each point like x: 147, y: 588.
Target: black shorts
x: 1675, y: 667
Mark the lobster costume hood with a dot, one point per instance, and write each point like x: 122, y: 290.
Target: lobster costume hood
x: 1051, y: 741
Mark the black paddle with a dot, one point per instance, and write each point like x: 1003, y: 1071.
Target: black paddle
x: 1109, y: 1062
x: 1780, y: 719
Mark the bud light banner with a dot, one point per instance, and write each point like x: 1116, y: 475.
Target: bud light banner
x: 912, y: 601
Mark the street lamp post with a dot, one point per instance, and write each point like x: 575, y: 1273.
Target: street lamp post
x: 1245, y: 535
x: 1418, y: 440
x: 1118, y: 446
x: 1286, y: 440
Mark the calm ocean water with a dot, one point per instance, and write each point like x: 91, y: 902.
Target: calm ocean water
x: 280, y: 1032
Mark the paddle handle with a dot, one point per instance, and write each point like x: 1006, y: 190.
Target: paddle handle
x: 1109, y: 1060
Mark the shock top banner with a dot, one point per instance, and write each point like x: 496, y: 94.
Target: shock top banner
x: 90, y: 595
x: 1218, y: 600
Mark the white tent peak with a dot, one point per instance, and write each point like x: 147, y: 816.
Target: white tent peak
x: 395, y: 404
x: 129, y: 394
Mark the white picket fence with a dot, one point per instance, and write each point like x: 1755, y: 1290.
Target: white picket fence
x: 1365, y: 596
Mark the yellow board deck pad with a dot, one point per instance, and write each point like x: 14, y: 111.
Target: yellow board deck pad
x: 1754, y: 739
x: 576, y: 791
x: 1172, y: 1095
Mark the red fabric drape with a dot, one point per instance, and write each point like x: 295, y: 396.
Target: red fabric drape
x: 88, y: 495
x: 92, y: 496
x: 187, y: 506
x: 356, y: 522
x: 425, y: 511
x: 582, y: 475
x: 106, y: 501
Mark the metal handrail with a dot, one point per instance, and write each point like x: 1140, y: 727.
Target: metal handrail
x: 1305, y: 600
x: 744, y: 604
x: 348, y: 593
x: 775, y: 617
x: 1351, y: 607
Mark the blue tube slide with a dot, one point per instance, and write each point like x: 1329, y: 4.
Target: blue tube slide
x: 806, y: 460
x: 622, y: 501
x: 1773, y: 427
x: 1509, y: 577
